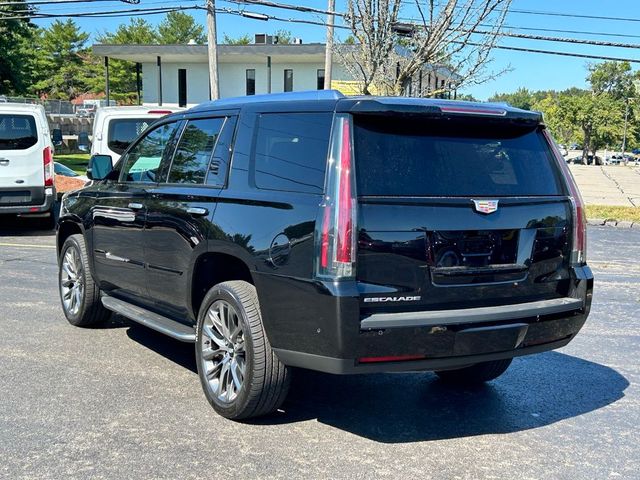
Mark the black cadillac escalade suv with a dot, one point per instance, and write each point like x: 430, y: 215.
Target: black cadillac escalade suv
x: 340, y: 234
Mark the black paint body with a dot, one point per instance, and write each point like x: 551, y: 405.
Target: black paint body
x: 151, y: 257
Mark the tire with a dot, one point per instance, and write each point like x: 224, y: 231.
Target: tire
x: 475, y: 374
x: 240, y: 375
x: 79, y: 295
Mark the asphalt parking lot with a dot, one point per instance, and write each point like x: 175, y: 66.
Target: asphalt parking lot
x: 122, y: 402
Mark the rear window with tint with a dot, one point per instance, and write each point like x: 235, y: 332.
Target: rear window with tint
x: 17, y: 132
x: 123, y: 131
x: 419, y: 157
x: 291, y: 151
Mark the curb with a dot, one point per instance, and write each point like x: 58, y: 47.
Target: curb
x: 612, y: 223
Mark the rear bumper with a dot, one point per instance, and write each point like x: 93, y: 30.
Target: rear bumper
x: 45, y: 198
x: 341, y: 342
x: 341, y: 366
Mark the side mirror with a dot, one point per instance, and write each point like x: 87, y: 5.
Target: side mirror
x: 99, y: 167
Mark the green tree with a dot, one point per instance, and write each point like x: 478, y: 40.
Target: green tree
x: 137, y: 32
x: 613, y: 78
x: 350, y: 40
x: 180, y: 28
x: 240, y: 40
x: 562, y: 126
x: 64, y: 67
x: 521, y: 98
x: 122, y: 74
x: 284, y: 36
x: 16, y: 50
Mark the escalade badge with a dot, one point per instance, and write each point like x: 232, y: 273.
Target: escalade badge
x: 485, y: 206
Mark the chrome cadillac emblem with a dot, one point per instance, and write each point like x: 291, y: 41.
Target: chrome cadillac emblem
x: 485, y: 206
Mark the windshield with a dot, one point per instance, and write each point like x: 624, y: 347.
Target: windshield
x: 123, y: 131
x: 17, y: 132
x: 423, y: 157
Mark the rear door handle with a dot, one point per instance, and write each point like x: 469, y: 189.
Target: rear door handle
x: 197, y: 211
x: 4, y: 161
x: 135, y: 206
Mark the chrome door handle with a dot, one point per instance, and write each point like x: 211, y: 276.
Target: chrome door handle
x: 197, y: 211
x: 135, y: 206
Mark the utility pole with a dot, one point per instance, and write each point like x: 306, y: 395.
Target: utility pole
x: 328, y: 54
x: 624, y: 135
x: 212, y: 49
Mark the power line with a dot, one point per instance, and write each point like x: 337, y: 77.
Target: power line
x: 270, y: 3
x: 473, y: 44
x: 542, y: 13
x: 555, y: 30
x: 574, y: 15
x: 227, y: 11
x: 563, y: 54
x: 103, y: 14
x: 285, y: 6
x: 562, y: 40
x: 58, y: 2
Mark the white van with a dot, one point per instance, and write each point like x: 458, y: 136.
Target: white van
x: 26, y: 161
x: 114, y: 128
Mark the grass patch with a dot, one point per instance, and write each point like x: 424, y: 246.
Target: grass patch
x: 77, y: 161
x: 606, y: 212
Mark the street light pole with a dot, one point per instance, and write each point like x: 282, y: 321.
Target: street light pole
x: 624, y: 135
x: 212, y: 50
x: 328, y: 53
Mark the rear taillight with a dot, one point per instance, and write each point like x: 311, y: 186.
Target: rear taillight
x: 336, y: 235
x: 47, y: 161
x: 579, y: 233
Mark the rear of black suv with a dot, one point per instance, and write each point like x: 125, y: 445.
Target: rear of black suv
x: 450, y: 236
x: 345, y: 235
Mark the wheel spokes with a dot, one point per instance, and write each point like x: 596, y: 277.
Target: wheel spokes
x: 223, y: 351
x: 237, y: 373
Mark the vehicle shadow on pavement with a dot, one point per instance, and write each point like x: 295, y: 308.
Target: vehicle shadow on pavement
x: 12, y: 226
x: 410, y: 407
x: 180, y: 353
x: 536, y: 391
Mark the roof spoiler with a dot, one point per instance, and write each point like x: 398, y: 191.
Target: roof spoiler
x: 435, y: 108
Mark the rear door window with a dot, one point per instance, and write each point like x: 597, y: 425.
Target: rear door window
x: 17, y: 132
x: 291, y: 151
x: 420, y: 157
x: 123, y: 131
x: 195, y: 150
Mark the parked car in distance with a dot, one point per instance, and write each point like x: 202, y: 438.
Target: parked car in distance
x: 590, y: 159
x: 339, y: 234
x: 3, y: 99
x: 26, y: 162
x: 615, y: 159
x: 114, y: 128
x: 86, y: 111
x: 65, y: 171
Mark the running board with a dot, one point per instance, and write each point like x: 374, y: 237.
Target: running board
x: 152, y: 320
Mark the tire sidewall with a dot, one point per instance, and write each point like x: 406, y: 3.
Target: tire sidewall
x: 229, y: 410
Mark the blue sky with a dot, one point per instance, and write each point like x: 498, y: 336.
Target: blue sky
x: 533, y: 71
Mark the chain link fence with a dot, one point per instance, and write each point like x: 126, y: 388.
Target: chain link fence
x: 52, y: 107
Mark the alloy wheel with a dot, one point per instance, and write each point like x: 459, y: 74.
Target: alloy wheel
x: 223, y: 351
x: 72, y: 281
